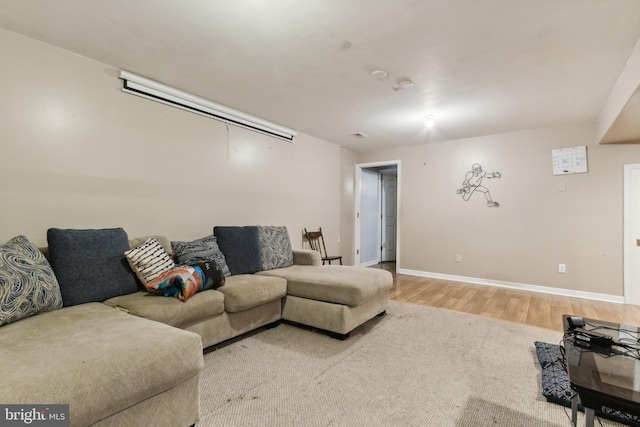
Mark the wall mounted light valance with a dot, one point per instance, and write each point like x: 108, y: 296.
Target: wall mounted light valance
x: 155, y: 91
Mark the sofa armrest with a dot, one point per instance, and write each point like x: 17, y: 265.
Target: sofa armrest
x: 306, y: 257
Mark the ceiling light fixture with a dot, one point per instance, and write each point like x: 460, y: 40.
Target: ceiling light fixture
x: 430, y: 120
x: 403, y: 84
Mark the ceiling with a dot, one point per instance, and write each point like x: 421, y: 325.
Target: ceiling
x: 480, y: 67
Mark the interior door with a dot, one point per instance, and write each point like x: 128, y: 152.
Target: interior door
x: 369, y: 218
x: 632, y: 234
x: 389, y: 216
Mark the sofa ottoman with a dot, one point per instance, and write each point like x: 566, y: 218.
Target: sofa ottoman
x: 113, y: 369
x: 335, y: 298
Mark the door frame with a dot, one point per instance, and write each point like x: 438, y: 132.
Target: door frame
x: 630, y: 248
x: 357, y: 200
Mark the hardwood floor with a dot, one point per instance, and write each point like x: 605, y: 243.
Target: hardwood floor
x: 531, y: 308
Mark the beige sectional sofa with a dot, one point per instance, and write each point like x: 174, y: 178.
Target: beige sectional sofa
x: 113, y: 369
x: 135, y: 358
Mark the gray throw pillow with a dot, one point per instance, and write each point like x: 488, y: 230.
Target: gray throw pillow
x: 275, y: 247
x: 241, y: 248
x: 206, y: 247
x: 90, y: 264
x: 27, y: 283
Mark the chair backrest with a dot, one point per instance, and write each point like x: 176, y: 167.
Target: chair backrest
x: 316, y: 241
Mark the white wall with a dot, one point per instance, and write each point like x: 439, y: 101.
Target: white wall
x: 348, y: 209
x: 537, y: 225
x: 76, y: 152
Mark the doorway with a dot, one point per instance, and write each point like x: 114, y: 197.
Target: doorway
x: 377, y: 213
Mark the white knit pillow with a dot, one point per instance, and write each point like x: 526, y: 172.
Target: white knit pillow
x: 149, y: 260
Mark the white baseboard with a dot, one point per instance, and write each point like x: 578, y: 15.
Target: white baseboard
x: 518, y: 286
x: 369, y: 263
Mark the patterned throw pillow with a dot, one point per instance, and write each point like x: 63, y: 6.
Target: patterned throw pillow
x: 555, y: 383
x: 275, y: 247
x: 90, y: 264
x: 206, y: 247
x: 185, y: 280
x: 149, y: 260
x: 27, y: 283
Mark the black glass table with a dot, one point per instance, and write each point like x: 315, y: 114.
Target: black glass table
x: 604, y: 375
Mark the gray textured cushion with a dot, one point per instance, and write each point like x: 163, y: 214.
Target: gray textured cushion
x: 241, y: 248
x: 206, y: 247
x: 90, y: 264
x: 27, y: 283
x: 275, y: 247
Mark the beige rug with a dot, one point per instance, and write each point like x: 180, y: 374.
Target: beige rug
x: 416, y: 366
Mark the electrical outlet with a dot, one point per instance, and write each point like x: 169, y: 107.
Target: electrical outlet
x: 562, y: 268
x: 458, y: 258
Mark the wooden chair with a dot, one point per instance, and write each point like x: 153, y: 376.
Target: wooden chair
x: 316, y: 242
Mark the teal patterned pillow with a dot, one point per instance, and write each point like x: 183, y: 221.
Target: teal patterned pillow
x: 27, y: 283
x: 275, y: 247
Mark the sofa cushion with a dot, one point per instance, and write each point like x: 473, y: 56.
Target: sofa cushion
x: 171, y: 311
x: 90, y: 264
x: 306, y: 257
x: 149, y: 260
x: 339, y: 284
x: 95, y: 358
x: 241, y: 248
x: 275, y: 247
x: 206, y: 247
x: 27, y: 283
x: 245, y: 291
